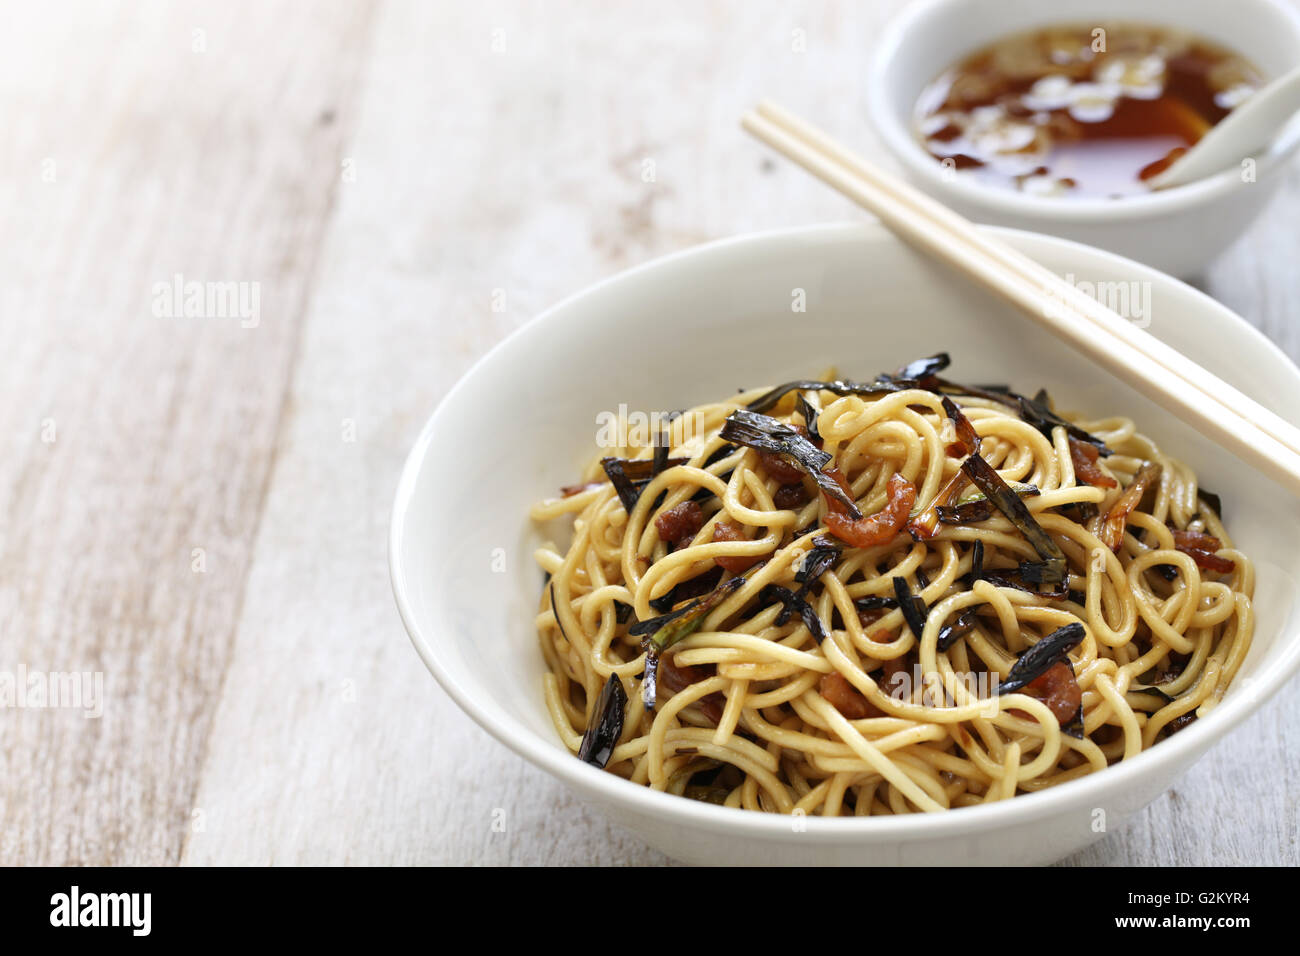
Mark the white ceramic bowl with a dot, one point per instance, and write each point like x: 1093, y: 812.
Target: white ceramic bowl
x: 697, y: 325
x: 1177, y: 230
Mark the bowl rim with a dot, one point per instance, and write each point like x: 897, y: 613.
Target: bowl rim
x: 1097, y: 789
x: 897, y: 41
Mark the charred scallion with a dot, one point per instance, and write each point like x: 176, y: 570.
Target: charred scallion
x: 987, y: 480
x: 627, y: 489
x: 1001, y: 394
x: 649, y: 677
x: 809, y: 413
x: 817, y: 562
x: 875, y: 602
x: 914, y: 608
x: 972, y: 512
x: 976, y: 563
x: 1038, y: 412
x: 606, y: 725
x: 925, y: 523
x: 667, y: 630
x: 1027, y: 576
x: 764, y: 433
x: 1211, y: 499
x: 922, y: 369
x: 722, y: 452
x: 550, y: 588
x: 707, y: 794
x: 955, y: 630
x: 662, y: 446
x: 770, y: 399
x: 1033, y: 662
x: 685, y: 590
x: 629, y: 476
x: 797, y: 604
x: 1155, y: 691
x: 1075, y: 727
x: 968, y: 440
x: 1037, y: 572
x: 975, y: 498
x: 913, y: 375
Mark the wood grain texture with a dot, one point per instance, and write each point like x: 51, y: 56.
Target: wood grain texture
x: 388, y: 176
x: 139, y: 149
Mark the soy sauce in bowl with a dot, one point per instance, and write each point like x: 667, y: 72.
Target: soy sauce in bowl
x: 1080, y: 111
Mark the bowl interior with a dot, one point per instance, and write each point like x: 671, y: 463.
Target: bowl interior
x: 932, y: 35
x: 697, y: 326
x: 940, y: 33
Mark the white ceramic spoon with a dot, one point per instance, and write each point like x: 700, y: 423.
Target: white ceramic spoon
x: 1238, y: 135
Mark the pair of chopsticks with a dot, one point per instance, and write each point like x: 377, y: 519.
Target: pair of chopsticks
x: 1161, y: 373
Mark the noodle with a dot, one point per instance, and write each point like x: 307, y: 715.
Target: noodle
x: 852, y: 713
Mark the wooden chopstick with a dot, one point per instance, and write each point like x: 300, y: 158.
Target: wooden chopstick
x: 1248, y: 430
x: 1056, y: 287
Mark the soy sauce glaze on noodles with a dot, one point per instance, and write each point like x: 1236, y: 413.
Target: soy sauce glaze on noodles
x: 905, y: 595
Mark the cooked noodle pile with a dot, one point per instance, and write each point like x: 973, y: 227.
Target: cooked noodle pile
x: 747, y: 636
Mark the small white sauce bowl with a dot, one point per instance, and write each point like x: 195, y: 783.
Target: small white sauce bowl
x: 694, y: 327
x: 1177, y: 230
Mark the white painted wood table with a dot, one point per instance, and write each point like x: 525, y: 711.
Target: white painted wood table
x: 197, y: 507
